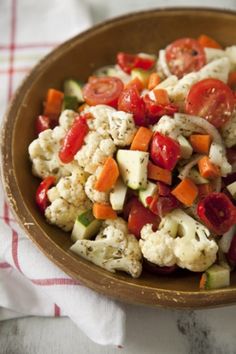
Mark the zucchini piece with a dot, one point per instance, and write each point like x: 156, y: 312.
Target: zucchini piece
x: 70, y: 102
x: 232, y: 189
x: 142, y: 75
x: 118, y: 195
x: 215, y: 277
x: 74, y: 88
x: 195, y: 176
x: 149, y: 191
x: 85, y: 226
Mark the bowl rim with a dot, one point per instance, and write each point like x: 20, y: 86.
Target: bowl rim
x: 123, y: 289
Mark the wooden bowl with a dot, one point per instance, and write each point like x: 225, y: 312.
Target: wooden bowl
x: 79, y: 57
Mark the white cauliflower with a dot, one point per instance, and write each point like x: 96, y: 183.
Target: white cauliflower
x: 229, y: 132
x: 113, y: 249
x: 99, y: 122
x: 121, y: 127
x: 92, y: 193
x: 180, y: 240
x: 67, y: 118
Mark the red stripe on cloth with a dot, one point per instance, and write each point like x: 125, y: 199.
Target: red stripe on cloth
x: 55, y: 281
x: 9, y: 219
x: 29, y: 46
x: 15, y: 71
x: 12, y: 48
x: 15, y: 242
x: 4, y: 265
x: 57, y: 311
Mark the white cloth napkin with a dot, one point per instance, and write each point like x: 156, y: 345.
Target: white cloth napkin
x: 29, y: 283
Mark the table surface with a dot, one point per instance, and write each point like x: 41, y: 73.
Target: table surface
x: 149, y: 331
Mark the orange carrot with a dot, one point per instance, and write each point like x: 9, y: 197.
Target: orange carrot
x: 161, y: 96
x: 136, y: 82
x: 208, y: 42
x: 83, y: 107
x: 200, y: 143
x: 53, y: 104
x: 203, y: 280
x: 204, y: 190
x: 154, y: 80
x: 103, y: 211
x: 159, y: 174
x: 108, y: 176
x: 207, y: 169
x: 141, y: 139
x: 186, y: 191
x: 232, y: 80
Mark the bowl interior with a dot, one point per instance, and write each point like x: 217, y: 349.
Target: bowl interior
x: 78, y: 58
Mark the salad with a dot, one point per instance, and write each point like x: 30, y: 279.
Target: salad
x: 139, y: 162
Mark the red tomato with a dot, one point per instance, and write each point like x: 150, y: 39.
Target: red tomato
x: 217, y: 212
x: 211, y: 99
x: 127, y: 62
x: 155, y: 269
x: 74, y: 140
x: 162, y: 205
x: 155, y: 111
x: 41, y: 193
x: 140, y: 216
x: 184, y: 56
x: 131, y: 102
x: 43, y: 123
x: 103, y: 90
x: 164, y: 151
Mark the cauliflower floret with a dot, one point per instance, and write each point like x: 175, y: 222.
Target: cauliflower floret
x: 121, y: 127
x: 67, y: 118
x: 92, y: 193
x: 229, y: 132
x: 94, y: 152
x: 180, y: 240
x: 100, y: 123
x: 113, y: 250
x: 157, y: 247
x: 62, y: 213
x: 118, y: 223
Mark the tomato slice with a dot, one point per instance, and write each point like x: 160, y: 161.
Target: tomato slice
x: 41, y: 193
x: 164, y: 151
x: 103, y: 90
x: 155, y: 111
x: 217, y: 212
x: 43, y: 123
x: 211, y: 99
x: 130, y: 101
x: 140, y: 216
x: 74, y: 139
x: 127, y: 62
x: 184, y: 56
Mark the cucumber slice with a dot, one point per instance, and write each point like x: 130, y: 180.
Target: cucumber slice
x: 149, y: 191
x: 186, y: 149
x: 74, y: 88
x: 118, y: 195
x: 216, y: 277
x: 133, y: 168
x: 70, y: 102
x: 108, y: 70
x: 195, y: 176
x: 85, y: 226
x: 142, y: 75
x: 232, y: 189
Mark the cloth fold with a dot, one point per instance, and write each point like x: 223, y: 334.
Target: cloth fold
x: 30, y: 284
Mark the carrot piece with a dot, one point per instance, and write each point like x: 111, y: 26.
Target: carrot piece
x: 208, y: 42
x: 141, y: 139
x: 200, y: 143
x: 203, y: 281
x: 154, y: 80
x: 161, y: 96
x: 186, y: 191
x: 103, y: 211
x: 136, y: 82
x: 159, y: 174
x: 53, y: 103
x: 83, y: 107
x: 207, y: 169
x: 232, y: 80
x: 108, y: 176
x: 204, y: 190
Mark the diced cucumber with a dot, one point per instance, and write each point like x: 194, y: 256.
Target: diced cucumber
x: 118, y: 195
x: 74, y: 88
x: 85, y: 227
x: 186, y: 149
x: 216, y: 277
x: 108, y: 70
x: 70, y: 102
x: 142, y: 75
x: 133, y: 168
x: 149, y: 191
x: 232, y: 189
x: 195, y: 176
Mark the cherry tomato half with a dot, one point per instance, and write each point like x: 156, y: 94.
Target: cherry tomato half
x: 211, y: 99
x: 184, y: 56
x: 140, y: 216
x: 155, y: 111
x: 74, y: 139
x: 103, y: 90
x: 127, y: 62
x: 43, y: 123
x: 130, y: 101
x: 217, y: 212
x: 164, y: 151
x: 41, y: 193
